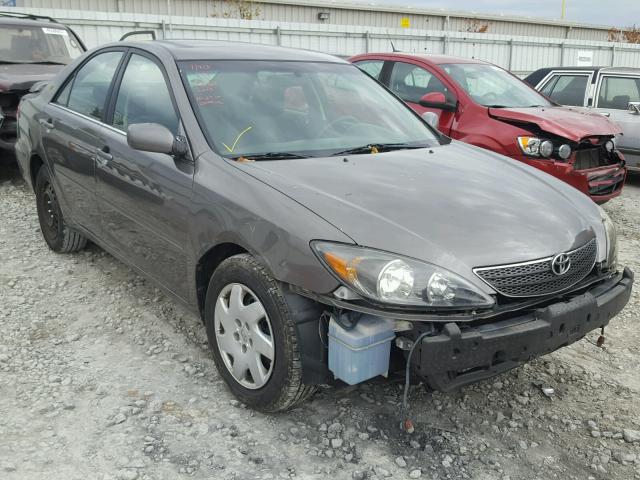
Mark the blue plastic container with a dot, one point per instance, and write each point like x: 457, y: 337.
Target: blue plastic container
x: 361, y: 353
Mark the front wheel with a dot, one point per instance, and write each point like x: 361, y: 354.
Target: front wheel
x: 252, y: 336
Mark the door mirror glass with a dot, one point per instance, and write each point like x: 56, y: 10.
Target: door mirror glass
x: 634, y: 108
x: 155, y: 138
x: 432, y: 118
x: 437, y: 100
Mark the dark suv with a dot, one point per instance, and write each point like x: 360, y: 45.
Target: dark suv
x: 32, y: 49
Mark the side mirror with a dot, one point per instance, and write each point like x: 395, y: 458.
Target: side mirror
x: 439, y: 101
x: 156, y: 138
x: 634, y: 108
x: 433, y: 119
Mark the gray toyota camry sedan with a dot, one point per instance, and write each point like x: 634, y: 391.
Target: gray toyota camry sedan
x: 324, y: 232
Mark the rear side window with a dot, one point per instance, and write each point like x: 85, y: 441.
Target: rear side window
x: 372, y: 67
x: 87, y: 92
x: 567, y: 89
x: 617, y: 92
x: 143, y: 96
x: 411, y: 82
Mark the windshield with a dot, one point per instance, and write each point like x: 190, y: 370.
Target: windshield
x: 20, y: 44
x: 492, y: 86
x: 301, y: 108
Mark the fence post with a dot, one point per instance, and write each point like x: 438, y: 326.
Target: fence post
x: 445, y: 43
x: 278, y: 36
x: 510, y: 54
x: 562, y: 54
x: 366, y: 41
x: 613, y: 55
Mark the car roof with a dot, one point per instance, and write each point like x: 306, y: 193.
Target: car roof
x: 227, y: 50
x: 537, y: 76
x: 425, y: 57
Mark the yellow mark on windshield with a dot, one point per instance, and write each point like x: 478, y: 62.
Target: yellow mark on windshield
x: 237, y: 140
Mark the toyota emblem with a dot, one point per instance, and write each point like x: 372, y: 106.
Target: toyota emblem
x: 561, y: 264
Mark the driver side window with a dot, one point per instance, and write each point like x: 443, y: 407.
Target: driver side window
x: 411, y: 82
x: 143, y: 97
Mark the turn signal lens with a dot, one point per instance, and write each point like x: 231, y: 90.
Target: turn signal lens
x: 530, y: 146
x: 345, y: 269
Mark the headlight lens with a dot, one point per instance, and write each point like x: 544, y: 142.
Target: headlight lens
x: 546, y: 148
x: 536, y: 147
x: 530, y: 146
x: 393, y: 279
x: 610, y: 146
x: 564, y: 151
x: 612, y: 240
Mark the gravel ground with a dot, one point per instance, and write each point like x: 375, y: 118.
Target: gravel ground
x: 103, y: 377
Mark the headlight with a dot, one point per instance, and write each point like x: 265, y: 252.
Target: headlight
x: 535, y: 147
x: 564, y: 151
x: 393, y: 279
x: 610, y: 146
x: 612, y: 240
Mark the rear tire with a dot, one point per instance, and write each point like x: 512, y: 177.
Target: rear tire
x: 237, y: 337
x: 56, y: 233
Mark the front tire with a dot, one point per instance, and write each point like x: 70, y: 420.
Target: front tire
x: 253, y: 337
x: 56, y: 233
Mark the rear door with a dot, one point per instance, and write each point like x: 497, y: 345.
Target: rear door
x: 71, y: 132
x: 144, y: 198
x: 411, y: 82
x: 614, y: 92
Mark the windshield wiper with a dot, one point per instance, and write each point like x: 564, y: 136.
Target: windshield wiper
x: 271, y: 156
x: 377, y: 147
x: 496, y: 106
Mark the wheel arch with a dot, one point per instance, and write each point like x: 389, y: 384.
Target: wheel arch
x: 35, y: 164
x: 208, y: 263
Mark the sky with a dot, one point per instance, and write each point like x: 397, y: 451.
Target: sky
x: 619, y: 13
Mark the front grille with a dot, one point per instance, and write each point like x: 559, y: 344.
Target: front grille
x: 535, y: 278
x: 593, y: 157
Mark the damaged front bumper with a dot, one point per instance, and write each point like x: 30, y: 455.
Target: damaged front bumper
x: 460, y: 354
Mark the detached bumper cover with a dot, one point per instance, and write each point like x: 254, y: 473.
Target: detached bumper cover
x: 458, y: 357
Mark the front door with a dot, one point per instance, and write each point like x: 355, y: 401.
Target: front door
x: 71, y: 128
x: 144, y: 197
x: 613, y: 95
x: 411, y: 82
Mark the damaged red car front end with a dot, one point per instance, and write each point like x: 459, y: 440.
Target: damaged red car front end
x: 486, y: 106
x: 583, y: 151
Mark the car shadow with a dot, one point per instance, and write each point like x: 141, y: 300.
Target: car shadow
x: 9, y: 172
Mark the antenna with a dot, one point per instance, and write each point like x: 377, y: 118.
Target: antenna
x: 393, y: 48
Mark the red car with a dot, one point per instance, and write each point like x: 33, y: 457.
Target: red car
x: 482, y: 104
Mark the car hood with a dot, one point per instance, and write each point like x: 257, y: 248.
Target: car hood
x: 456, y: 206
x: 19, y: 77
x: 572, y: 124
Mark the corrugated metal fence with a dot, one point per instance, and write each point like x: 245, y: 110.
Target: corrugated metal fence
x: 518, y: 54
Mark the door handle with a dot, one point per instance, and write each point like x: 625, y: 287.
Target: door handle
x: 103, y: 156
x: 46, y: 123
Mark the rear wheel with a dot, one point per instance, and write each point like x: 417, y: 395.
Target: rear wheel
x: 252, y: 336
x: 58, y: 236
